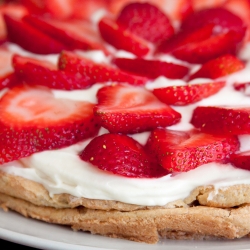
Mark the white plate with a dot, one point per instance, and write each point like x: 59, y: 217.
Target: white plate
x: 29, y: 232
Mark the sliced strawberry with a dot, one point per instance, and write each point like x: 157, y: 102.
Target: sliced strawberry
x: 30, y: 38
x: 36, y: 72
x: 223, y: 19
x: 243, y: 87
x: 208, y: 49
x: 128, y: 109
x: 151, y: 68
x: 7, y: 81
x: 222, y: 120
x: 54, y: 8
x: 121, y: 38
x: 13, y: 9
x: 75, y: 34
x: 121, y: 155
x: 187, y: 94
x: 146, y: 21
x: 94, y: 72
x: 241, y: 160
x: 186, y: 37
x: 240, y: 8
x: 180, y: 151
x: 33, y: 120
x: 219, y: 67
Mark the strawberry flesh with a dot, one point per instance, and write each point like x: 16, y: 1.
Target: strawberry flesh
x: 182, y: 151
x: 146, y: 21
x: 187, y: 94
x: 128, y: 109
x: 36, y: 72
x: 121, y: 155
x: 241, y: 160
x: 121, y: 38
x: 95, y: 73
x: 222, y: 120
x: 32, y: 120
x: 30, y: 38
x: 151, y: 68
x: 219, y: 67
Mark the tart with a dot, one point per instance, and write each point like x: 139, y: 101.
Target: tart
x: 125, y: 120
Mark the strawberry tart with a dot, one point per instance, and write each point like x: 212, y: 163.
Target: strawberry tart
x: 127, y: 119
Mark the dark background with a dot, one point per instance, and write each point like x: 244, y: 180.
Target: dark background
x: 9, y: 245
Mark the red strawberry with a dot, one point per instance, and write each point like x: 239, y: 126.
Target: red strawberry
x: 223, y: 19
x: 243, y: 87
x: 30, y: 38
x: 127, y: 109
x: 94, y: 72
x: 36, y: 72
x: 208, y: 49
x: 122, y: 39
x: 219, y: 67
x: 185, y: 37
x: 121, y: 155
x: 180, y: 151
x: 12, y: 9
x: 151, y: 68
x: 75, y: 34
x: 222, y: 120
x: 187, y: 94
x: 241, y: 160
x: 146, y: 21
x: 32, y: 120
x: 54, y: 8
x: 8, y: 80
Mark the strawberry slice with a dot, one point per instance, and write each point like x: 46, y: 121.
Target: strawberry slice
x: 94, y: 72
x: 146, y: 21
x: 36, y: 72
x: 184, y: 37
x: 128, y: 109
x: 33, y: 120
x: 181, y: 151
x: 13, y: 9
x: 223, y: 19
x: 30, y: 38
x: 75, y: 34
x: 151, y: 68
x: 243, y: 87
x: 121, y: 38
x: 222, y: 120
x: 219, y: 67
x: 54, y: 8
x: 121, y: 155
x: 187, y: 94
x: 241, y: 160
x: 208, y: 49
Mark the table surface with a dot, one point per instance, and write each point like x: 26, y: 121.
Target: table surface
x: 8, y: 245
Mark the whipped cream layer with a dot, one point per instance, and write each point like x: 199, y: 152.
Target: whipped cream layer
x: 62, y: 171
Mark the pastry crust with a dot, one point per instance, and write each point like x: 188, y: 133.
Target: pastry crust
x: 204, y: 214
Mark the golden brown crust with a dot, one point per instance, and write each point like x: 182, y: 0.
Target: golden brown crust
x: 143, y: 225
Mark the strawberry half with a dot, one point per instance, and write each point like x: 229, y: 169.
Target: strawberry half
x: 94, y: 72
x: 36, y: 72
x: 32, y: 120
x: 241, y: 160
x: 146, y: 21
x: 181, y: 151
x: 121, y: 38
x: 187, y: 94
x: 121, y: 155
x: 222, y: 120
x: 151, y: 68
x: 30, y: 38
x: 127, y: 109
x: 219, y: 67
